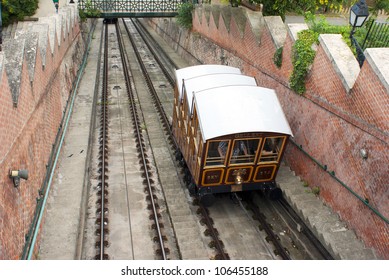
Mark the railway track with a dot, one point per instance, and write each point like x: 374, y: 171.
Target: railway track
x: 284, y: 229
x: 102, y: 187
x: 143, y: 158
x: 104, y: 204
x: 158, y: 87
x: 139, y: 205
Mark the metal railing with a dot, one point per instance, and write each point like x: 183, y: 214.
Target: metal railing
x: 132, y: 8
x: 377, y: 35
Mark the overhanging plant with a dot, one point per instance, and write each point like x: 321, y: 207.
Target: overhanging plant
x: 302, y: 57
x: 184, y: 17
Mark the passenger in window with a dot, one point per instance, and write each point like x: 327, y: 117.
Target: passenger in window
x: 240, y: 153
x: 266, y: 151
x: 269, y: 145
x: 239, y: 148
x: 270, y: 150
x: 222, y: 148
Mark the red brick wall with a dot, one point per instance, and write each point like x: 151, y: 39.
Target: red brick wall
x: 28, y: 132
x: 330, y: 124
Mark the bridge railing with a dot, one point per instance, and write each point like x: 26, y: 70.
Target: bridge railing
x: 139, y: 8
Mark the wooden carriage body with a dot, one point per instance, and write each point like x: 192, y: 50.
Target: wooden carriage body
x: 231, y: 133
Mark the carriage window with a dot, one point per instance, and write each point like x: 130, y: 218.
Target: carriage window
x: 216, y: 152
x: 200, y: 150
x: 271, y: 149
x: 244, y: 151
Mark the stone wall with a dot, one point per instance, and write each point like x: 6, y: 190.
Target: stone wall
x: 345, y: 109
x: 38, y: 65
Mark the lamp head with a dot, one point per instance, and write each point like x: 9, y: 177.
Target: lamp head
x: 15, y: 175
x: 359, y: 13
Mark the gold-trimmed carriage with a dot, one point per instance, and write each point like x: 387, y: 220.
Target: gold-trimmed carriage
x: 231, y: 133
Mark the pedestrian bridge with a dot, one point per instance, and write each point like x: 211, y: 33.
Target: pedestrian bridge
x: 132, y: 8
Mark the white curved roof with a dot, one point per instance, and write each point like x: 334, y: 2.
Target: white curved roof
x: 199, y: 70
x: 238, y: 109
x: 209, y: 81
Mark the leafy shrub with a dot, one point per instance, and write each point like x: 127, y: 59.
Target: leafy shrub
x: 381, y: 5
x: 302, y: 58
x: 16, y: 10
x: 281, y: 7
x: 320, y: 25
x: 184, y: 17
x: 303, y: 54
x: 89, y: 11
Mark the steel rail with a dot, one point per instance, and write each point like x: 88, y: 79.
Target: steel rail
x: 273, y: 237
x: 139, y: 133
x: 222, y: 255
x: 304, y: 229
x: 141, y: 30
x: 168, y: 76
x: 103, y: 147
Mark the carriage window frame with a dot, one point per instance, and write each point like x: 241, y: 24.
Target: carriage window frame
x: 250, y: 149
x: 200, y: 151
x: 194, y: 123
x: 216, y: 159
x: 270, y: 154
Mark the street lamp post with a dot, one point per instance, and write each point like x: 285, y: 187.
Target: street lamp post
x: 358, y: 14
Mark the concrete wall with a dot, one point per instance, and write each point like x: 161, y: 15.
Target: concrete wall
x: 344, y: 110
x: 38, y: 65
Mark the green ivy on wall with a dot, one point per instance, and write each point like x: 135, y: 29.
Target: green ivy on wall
x: 302, y: 57
x: 277, y: 58
x: 303, y: 54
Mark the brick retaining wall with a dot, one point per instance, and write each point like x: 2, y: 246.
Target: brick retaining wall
x: 30, y: 116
